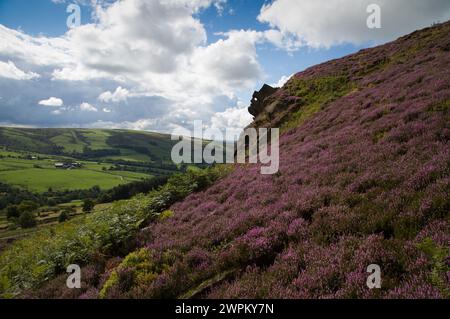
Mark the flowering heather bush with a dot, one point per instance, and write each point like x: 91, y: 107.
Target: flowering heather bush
x: 364, y: 179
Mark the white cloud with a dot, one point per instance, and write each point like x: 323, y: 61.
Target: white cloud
x: 8, y: 124
x: 233, y: 119
x: 11, y: 71
x: 119, y: 95
x: 52, y: 101
x: 106, y: 110
x: 282, y: 81
x: 140, y: 125
x: 41, y: 51
x: 323, y: 23
x: 136, y: 36
x: 220, y: 6
x: 231, y: 62
x: 87, y: 107
x: 282, y: 40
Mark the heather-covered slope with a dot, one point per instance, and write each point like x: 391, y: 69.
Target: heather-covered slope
x: 363, y: 179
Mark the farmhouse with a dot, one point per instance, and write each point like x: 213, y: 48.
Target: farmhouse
x: 68, y: 165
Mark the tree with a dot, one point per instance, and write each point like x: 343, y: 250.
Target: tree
x: 27, y: 220
x: 12, y: 211
x: 104, y: 198
x: 96, y: 189
x: 70, y: 210
x: 28, y: 206
x: 88, y: 205
x: 51, y: 202
x: 63, y: 216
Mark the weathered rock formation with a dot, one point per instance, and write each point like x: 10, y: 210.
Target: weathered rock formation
x: 270, y: 106
x: 257, y: 103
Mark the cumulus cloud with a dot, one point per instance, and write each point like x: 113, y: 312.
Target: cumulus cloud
x: 282, y: 81
x: 233, y: 120
x: 87, y: 107
x: 231, y: 61
x: 52, y: 101
x: 140, y: 125
x: 168, y: 57
x: 40, y: 51
x: 119, y: 95
x: 139, y: 35
x: 324, y: 23
x: 11, y: 71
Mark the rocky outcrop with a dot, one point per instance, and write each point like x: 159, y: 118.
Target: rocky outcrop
x: 270, y: 106
x: 258, y: 99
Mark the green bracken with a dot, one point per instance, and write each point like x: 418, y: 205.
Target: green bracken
x: 315, y: 94
x: 438, y: 255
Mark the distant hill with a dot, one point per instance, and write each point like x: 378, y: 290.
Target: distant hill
x: 97, y: 144
x: 108, y: 157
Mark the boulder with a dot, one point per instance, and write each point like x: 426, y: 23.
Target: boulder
x: 257, y: 104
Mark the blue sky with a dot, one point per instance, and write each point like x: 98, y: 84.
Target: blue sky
x: 161, y: 64
x: 37, y: 16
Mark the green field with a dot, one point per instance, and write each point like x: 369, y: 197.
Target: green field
x: 23, y: 173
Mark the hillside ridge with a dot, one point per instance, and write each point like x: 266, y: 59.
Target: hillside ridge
x: 346, y: 75
x: 137, y: 145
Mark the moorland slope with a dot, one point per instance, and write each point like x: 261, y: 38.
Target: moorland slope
x: 363, y: 179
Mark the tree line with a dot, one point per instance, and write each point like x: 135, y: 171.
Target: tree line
x: 21, y: 206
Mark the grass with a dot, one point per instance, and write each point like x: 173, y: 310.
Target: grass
x: 45, y: 220
x: 97, y: 138
x: 316, y: 94
x: 133, y: 145
x: 23, y: 138
x: 128, y: 155
x: 69, y: 141
x: 23, y: 173
x: 40, y: 180
x: 4, y: 152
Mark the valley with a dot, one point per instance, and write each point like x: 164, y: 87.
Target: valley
x: 50, y: 169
